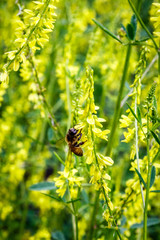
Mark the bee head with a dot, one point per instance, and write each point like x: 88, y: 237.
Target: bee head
x: 72, y: 131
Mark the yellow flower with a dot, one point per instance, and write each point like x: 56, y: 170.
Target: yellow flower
x: 125, y: 121
x: 129, y: 135
x: 104, y: 160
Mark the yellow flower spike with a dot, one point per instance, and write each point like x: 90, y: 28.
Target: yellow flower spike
x: 129, y: 135
x: 125, y: 121
x: 101, y: 120
x: 89, y: 159
x: 74, y: 192
x: 91, y: 120
x: 96, y: 130
x: 106, y: 215
x: 15, y: 65
x: 4, y: 78
x: 105, y: 160
x: 106, y: 176
x: 11, y: 54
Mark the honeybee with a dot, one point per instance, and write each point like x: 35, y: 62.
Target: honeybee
x: 72, y: 138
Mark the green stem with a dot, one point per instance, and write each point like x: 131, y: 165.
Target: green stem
x: 93, y: 216
x: 142, y: 23
x: 75, y: 223
x: 117, y: 110
x: 159, y: 65
x: 148, y: 184
x: 68, y: 102
x: 44, y: 99
x: 137, y: 152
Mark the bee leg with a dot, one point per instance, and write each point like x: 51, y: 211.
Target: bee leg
x: 77, y: 145
x: 79, y: 134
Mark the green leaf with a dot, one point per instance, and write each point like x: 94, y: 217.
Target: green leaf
x: 58, y: 235
x: 51, y: 196
x: 75, y: 200
x: 50, y: 134
x: 155, y: 126
x: 106, y: 30
x: 155, y: 137
x: 133, y: 113
x: 141, y: 178
x: 150, y: 222
x: 134, y: 24
x: 153, y: 174
x: 155, y: 157
x: 155, y: 191
x: 139, y: 115
x: 130, y: 31
x: 123, y: 27
x: 155, y: 102
x: 42, y: 186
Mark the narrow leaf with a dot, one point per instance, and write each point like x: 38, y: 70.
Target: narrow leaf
x: 150, y: 222
x: 133, y: 113
x: 75, y: 200
x: 51, y: 196
x: 106, y: 30
x: 141, y: 178
x: 155, y: 137
x: 155, y: 191
x: 134, y: 24
x: 130, y: 31
x: 155, y: 102
x: 139, y: 115
x: 155, y: 126
x: 42, y: 186
x: 123, y: 27
x: 153, y: 174
x: 155, y: 157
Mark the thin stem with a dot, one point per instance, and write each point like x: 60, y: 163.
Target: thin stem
x: 68, y: 102
x: 44, y: 99
x: 68, y: 166
x: 142, y: 23
x: 159, y: 65
x: 93, y: 216
x: 148, y: 184
x: 137, y: 152
x: 75, y: 223
x: 117, y: 110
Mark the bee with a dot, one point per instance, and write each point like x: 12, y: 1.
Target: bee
x: 72, y: 138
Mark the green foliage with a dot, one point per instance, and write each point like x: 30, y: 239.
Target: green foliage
x: 42, y: 186
x: 59, y: 69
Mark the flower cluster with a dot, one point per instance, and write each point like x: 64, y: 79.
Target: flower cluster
x: 155, y: 18
x: 91, y: 125
x: 31, y: 34
x: 128, y: 121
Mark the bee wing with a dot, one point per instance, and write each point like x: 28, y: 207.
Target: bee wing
x: 58, y: 143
